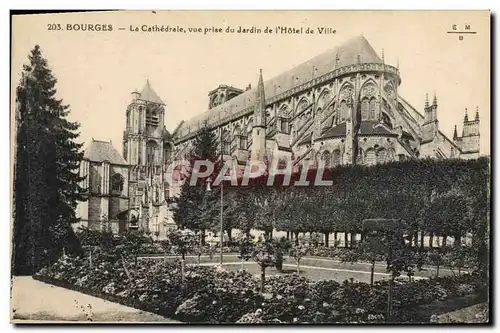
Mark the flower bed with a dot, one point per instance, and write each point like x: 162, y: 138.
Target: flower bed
x: 210, y: 294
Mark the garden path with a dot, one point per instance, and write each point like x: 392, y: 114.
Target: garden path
x: 32, y: 300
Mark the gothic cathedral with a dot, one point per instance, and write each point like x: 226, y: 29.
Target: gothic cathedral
x: 342, y: 107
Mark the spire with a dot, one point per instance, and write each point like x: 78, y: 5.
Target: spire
x: 397, y: 65
x: 359, y: 59
x: 260, y: 104
x: 466, y: 117
x: 434, y: 100
x: 455, y: 135
x: 149, y: 95
x: 477, y: 113
x: 383, y: 57
x: 337, y: 60
x: 426, y: 100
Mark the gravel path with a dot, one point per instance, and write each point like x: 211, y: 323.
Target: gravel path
x: 32, y: 300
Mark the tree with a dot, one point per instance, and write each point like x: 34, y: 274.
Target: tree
x: 96, y: 238
x: 245, y: 246
x: 196, y: 209
x: 46, y: 184
x: 370, y: 249
x: 460, y: 256
x: 133, y: 244
x: 264, y: 254
x: 437, y: 258
x: 183, y: 242
x: 264, y: 211
x: 297, y: 252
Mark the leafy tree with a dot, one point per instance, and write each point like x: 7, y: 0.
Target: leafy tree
x: 436, y: 257
x: 133, y: 243
x: 282, y: 246
x: 460, y: 256
x: 182, y: 242
x: 265, y: 254
x: 46, y: 177
x: 96, y: 238
x: 264, y: 213
x: 245, y: 246
x: 298, y: 251
x: 165, y: 245
x: 370, y: 249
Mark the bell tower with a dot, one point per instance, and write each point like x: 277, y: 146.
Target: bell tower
x: 143, y: 148
x: 143, y: 135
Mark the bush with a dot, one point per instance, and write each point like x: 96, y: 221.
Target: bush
x: 213, y: 294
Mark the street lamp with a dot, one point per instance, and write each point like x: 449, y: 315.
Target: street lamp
x: 221, y: 236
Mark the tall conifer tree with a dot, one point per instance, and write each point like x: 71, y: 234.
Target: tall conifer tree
x: 46, y: 179
x: 196, y: 209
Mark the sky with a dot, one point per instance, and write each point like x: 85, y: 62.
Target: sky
x: 97, y: 71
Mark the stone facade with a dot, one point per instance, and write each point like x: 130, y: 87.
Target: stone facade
x: 342, y: 106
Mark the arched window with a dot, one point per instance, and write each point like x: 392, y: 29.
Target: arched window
x: 365, y: 107
x: 370, y: 157
x: 389, y: 92
x: 285, y: 124
x: 139, y: 121
x: 402, y: 157
x: 301, y: 106
x: 373, y: 109
x: 336, y: 158
x: 343, y: 111
x: 326, y: 158
x: 382, y: 156
x: 117, y: 183
x: 151, y: 151
x: 236, y: 144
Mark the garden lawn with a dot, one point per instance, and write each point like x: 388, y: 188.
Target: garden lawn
x: 312, y: 268
x: 310, y: 272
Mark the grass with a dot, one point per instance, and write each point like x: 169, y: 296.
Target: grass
x: 312, y: 273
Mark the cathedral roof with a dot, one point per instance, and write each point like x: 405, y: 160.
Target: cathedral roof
x: 149, y: 95
x: 354, y: 50
x: 99, y: 151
